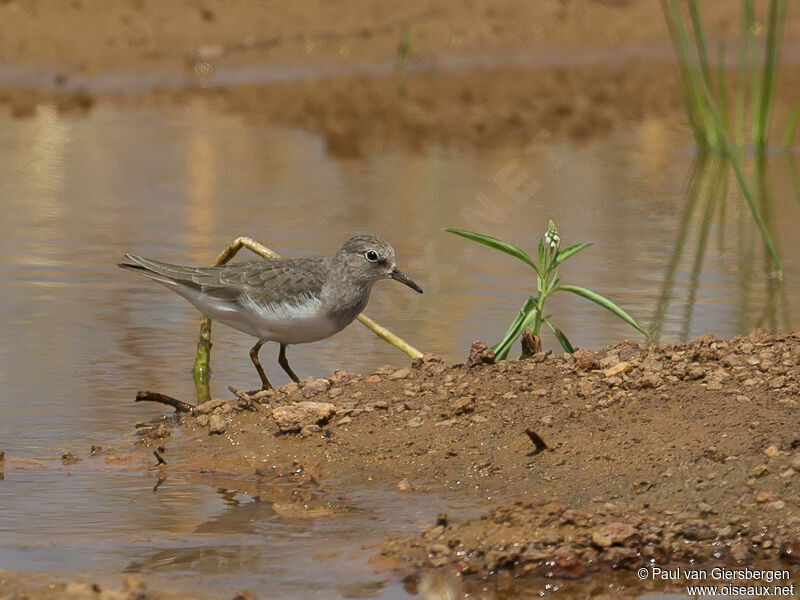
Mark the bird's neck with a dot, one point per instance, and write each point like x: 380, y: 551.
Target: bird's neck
x: 343, y: 295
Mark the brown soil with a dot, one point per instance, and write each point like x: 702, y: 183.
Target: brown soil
x: 479, y: 74
x: 686, y: 452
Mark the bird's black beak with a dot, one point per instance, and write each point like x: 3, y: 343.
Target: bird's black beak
x: 405, y: 279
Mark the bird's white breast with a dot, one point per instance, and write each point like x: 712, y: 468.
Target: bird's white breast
x: 298, y: 320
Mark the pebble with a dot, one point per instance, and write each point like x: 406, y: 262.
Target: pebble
x: 207, y: 408
x: 309, y: 430
x: 315, y: 386
x: 462, y: 406
x: 618, y: 369
x: 414, y: 423
x: 400, y: 374
x: 293, y: 418
x: 217, y: 424
x: 771, y: 451
x: 611, y: 534
x: 764, y: 496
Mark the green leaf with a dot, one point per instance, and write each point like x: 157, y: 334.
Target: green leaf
x: 567, y: 252
x: 496, y: 244
x: 562, y: 339
x: 604, y: 302
x: 524, y: 317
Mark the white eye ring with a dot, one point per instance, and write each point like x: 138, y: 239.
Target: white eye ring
x: 371, y: 256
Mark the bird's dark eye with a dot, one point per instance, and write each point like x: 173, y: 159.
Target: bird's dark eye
x: 371, y: 256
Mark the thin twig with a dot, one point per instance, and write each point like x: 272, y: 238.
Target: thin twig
x: 179, y: 405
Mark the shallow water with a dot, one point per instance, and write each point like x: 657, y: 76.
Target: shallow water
x: 82, y: 336
x: 189, y: 535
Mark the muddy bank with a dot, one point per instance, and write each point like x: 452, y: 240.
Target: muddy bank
x: 675, y: 453
x: 474, y: 75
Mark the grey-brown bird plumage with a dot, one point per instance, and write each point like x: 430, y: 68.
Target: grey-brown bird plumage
x: 287, y: 300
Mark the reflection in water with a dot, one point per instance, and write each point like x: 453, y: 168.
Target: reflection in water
x: 713, y: 206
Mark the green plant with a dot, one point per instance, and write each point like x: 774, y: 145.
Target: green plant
x: 532, y: 315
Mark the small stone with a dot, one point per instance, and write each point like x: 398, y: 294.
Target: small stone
x: 618, y: 369
x: 373, y: 379
x: 478, y: 419
x: 771, y: 451
x: 344, y: 421
x: 740, y: 551
x: 315, y: 386
x: 224, y: 409
x: 788, y: 473
x: 697, y: 529
x: 619, y: 557
x: 706, y: 508
x: 695, y: 372
x: 295, y: 417
x: 309, y: 430
x: 288, y: 389
x: 584, y: 361
x: 335, y: 393
x: 400, y: 374
x: 790, y: 551
x: 414, y: 423
x: 650, y: 381
x: 480, y: 354
x: 759, y: 471
x: 764, y: 496
x: 546, y: 420
x: 777, y: 505
x: 207, y: 408
x: 462, y: 406
x: 217, y: 425
x: 611, y: 534
x: 403, y: 485
x: 777, y: 383
x: 202, y: 420
x: 509, y: 396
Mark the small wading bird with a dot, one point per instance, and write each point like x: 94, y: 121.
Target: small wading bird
x: 284, y: 300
